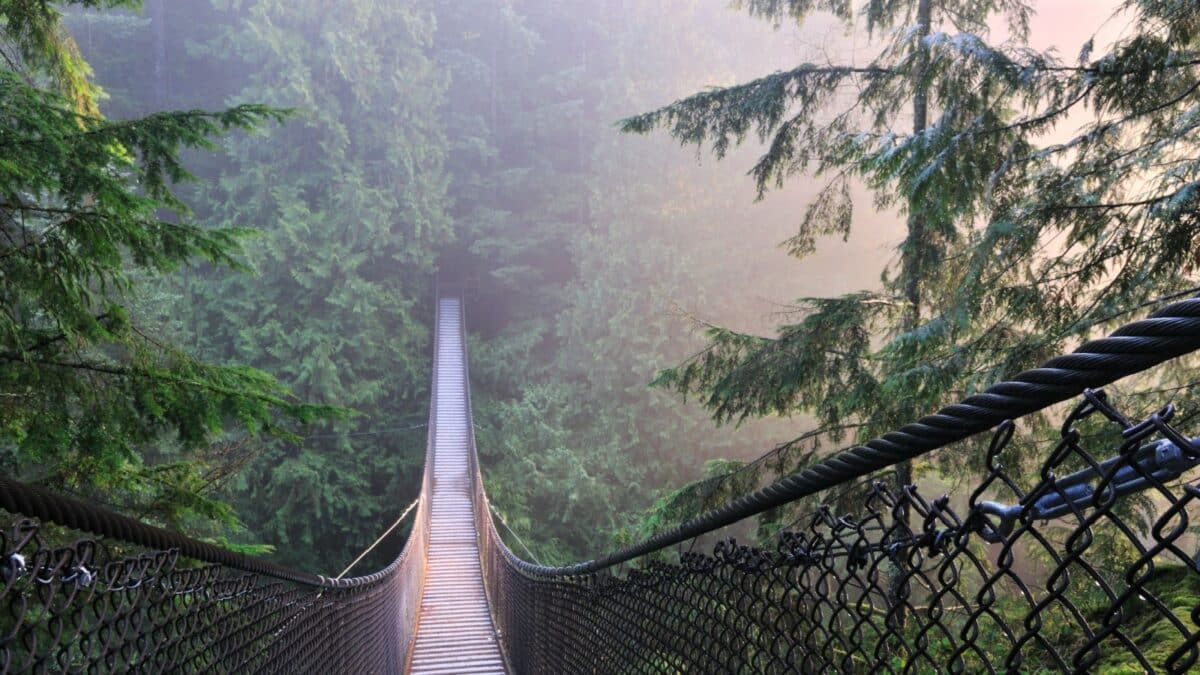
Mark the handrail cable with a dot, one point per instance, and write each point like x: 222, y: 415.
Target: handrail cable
x: 1169, y: 332
x: 500, y: 517
x: 897, y: 581
x: 779, y: 449
x: 383, y: 536
x: 1172, y: 331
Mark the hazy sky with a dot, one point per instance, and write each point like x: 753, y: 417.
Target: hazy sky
x: 840, y: 267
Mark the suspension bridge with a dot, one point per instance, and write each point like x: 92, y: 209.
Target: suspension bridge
x: 1079, y: 559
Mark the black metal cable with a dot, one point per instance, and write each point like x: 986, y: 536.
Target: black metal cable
x: 41, y: 504
x: 1168, y: 333
x: 92, y: 606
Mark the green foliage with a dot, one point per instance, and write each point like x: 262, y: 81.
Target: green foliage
x: 811, y: 365
x: 37, y: 44
x: 681, y: 503
x: 351, y: 198
x: 1157, y: 638
x: 1018, y: 246
x: 88, y: 219
x: 547, y: 488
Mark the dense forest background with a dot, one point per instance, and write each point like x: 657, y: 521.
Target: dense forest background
x: 223, y: 225
x: 440, y: 143
x: 475, y: 143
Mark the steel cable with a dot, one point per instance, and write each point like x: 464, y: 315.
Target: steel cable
x: 1170, y: 332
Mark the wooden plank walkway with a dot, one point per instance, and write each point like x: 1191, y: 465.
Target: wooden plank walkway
x: 454, y: 629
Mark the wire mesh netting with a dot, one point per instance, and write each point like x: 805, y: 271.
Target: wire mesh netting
x: 98, y: 606
x: 1082, y: 561
x: 1086, y: 565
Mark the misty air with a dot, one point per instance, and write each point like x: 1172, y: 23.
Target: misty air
x: 629, y: 336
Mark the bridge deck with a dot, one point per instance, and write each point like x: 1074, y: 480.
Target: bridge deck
x: 454, y: 629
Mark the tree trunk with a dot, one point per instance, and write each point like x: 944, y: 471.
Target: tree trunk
x: 912, y: 263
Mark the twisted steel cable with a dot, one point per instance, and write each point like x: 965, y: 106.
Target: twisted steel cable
x: 562, y: 619
x: 41, y: 504
x: 1168, y: 333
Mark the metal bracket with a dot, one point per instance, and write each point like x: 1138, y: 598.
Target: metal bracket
x: 14, y: 567
x: 1157, y: 462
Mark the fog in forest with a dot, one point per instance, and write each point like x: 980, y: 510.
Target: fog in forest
x: 478, y: 143
x: 608, y: 336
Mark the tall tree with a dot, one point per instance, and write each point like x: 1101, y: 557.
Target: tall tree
x: 352, y: 199
x: 87, y: 219
x: 809, y: 125
x: 1043, y: 199
x: 577, y: 258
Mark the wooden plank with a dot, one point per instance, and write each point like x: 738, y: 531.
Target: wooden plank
x: 454, y: 628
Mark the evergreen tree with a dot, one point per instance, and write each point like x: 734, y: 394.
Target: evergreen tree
x: 89, y: 221
x: 576, y: 259
x: 352, y: 201
x: 1018, y: 243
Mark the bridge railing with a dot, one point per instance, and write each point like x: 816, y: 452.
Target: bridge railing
x: 1081, y: 561
x: 1074, y: 556
x: 85, y: 589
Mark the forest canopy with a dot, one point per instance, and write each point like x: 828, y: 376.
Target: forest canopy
x: 288, y: 266
x: 223, y: 318
x: 89, y: 220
